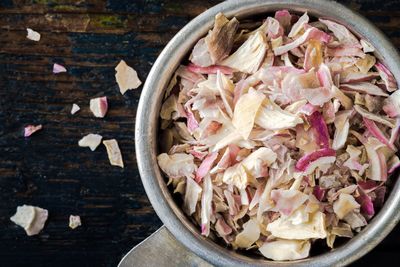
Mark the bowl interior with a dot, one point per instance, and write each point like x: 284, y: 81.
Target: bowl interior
x: 147, y: 122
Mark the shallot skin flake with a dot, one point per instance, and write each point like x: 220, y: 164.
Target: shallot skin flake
x: 99, y: 106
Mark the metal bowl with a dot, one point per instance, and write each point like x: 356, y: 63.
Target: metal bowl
x: 147, y: 123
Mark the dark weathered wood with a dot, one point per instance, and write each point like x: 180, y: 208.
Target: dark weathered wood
x: 49, y: 169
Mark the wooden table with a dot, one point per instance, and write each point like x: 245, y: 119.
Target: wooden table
x: 89, y: 37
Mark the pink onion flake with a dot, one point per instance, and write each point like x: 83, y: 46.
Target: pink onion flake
x: 383, y: 165
x: 30, y: 129
x: 99, y: 106
x: 380, y: 193
x: 57, y: 68
x: 308, y: 109
x: 319, y: 193
x: 198, y: 154
x: 387, y: 77
x: 368, y: 185
x: 304, y: 161
x: 321, y: 130
x: 209, y: 70
x: 284, y: 18
x: 375, y: 131
x: 310, y: 33
x: 205, y: 166
x: 366, y: 203
x: 393, y: 168
x: 192, y: 123
x: 395, y: 133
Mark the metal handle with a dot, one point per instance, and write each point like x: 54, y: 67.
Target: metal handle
x: 161, y: 249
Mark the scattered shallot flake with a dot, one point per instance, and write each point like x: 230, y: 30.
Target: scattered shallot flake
x: 114, y: 153
x: 75, y: 108
x: 32, y: 35
x: 126, y: 77
x: 30, y: 129
x: 74, y: 221
x: 31, y: 218
x: 99, y: 106
x: 57, y: 68
x: 91, y: 140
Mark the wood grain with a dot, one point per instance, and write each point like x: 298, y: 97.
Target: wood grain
x: 89, y: 37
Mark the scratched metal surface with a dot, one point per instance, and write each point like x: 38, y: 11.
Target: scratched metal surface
x: 89, y: 37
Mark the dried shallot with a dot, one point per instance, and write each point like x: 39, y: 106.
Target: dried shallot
x: 280, y: 133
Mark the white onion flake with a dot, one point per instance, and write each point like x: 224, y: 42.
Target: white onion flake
x: 31, y: 218
x: 313, y: 228
x: 284, y: 250
x: 74, y: 221
x: 75, y: 108
x: 245, y: 112
x: 33, y: 35
x: 249, y: 56
x: 126, y: 77
x: 99, y: 106
x: 249, y: 235
x: 91, y: 140
x: 279, y: 132
x: 113, y: 152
